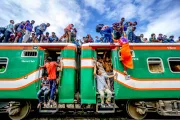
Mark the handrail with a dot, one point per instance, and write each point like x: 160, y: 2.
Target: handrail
x: 94, y: 82
x: 61, y: 72
x: 39, y: 71
x: 115, y: 64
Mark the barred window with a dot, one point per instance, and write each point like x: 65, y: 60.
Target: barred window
x: 174, y: 65
x: 3, y: 64
x: 29, y: 53
x: 155, y: 65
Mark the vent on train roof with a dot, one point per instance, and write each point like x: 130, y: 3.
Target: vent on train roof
x: 29, y: 53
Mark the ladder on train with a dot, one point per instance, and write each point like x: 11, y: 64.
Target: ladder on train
x: 105, y: 109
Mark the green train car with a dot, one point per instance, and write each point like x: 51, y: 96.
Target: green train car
x: 153, y: 86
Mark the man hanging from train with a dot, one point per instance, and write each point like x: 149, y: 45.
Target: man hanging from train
x: 125, y: 54
x: 103, y: 87
x: 51, y: 70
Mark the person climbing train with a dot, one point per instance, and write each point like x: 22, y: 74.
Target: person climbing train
x: 125, y: 54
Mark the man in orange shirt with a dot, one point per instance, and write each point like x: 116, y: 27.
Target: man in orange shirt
x: 68, y: 31
x: 51, y: 70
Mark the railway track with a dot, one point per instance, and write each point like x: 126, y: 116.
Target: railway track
x: 116, y: 116
x: 122, y: 116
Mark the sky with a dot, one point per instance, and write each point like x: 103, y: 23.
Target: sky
x: 153, y: 16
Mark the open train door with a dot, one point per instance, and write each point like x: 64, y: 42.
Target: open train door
x: 41, y: 59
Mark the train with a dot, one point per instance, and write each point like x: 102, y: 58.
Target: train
x: 153, y: 85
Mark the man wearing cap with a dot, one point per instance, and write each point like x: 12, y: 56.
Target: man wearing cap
x: 51, y: 70
x: 28, y: 26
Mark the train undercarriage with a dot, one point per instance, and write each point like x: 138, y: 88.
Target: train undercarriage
x: 136, y: 109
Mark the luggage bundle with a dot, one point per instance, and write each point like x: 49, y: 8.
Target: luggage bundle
x: 99, y: 27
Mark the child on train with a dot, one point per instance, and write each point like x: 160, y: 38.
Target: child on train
x: 45, y: 89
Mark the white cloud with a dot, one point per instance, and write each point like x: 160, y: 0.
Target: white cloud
x: 59, y: 13
x: 99, y: 5
x: 167, y: 23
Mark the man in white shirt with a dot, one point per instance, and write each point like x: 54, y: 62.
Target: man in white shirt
x: 103, y: 87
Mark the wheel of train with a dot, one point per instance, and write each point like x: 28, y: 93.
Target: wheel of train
x: 19, y: 110
x: 133, y: 111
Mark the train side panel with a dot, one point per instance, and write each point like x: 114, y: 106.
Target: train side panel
x: 144, y: 84
x: 21, y: 75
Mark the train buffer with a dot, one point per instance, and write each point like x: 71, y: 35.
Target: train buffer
x: 106, y: 109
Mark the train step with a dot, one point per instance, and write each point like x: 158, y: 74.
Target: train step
x: 105, y: 108
x: 48, y: 110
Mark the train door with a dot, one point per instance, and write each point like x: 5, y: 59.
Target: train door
x: 105, y: 60
x: 46, y: 105
x: 41, y: 56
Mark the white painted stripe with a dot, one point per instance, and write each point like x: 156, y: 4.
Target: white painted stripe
x: 140, y: 84
x: 87, y: 63
x: 14, y: 84
x: 148, y: 84
x: 69, y: 63
x: 10, y: 84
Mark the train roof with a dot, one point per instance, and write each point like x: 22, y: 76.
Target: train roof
x: 132, y: 44
x: 38, y: 44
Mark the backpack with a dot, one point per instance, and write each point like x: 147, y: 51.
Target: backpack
x: 125, y: 26
x: 2, y: 30
x: 16, y: 26
x: 35, y: 28
x: 99, y: 27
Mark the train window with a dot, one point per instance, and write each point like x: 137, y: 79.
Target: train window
x: 174, y: 64
x: 132, y: 53
x: 3, y: 64
x: 29, y: 53
x: 155, y: 65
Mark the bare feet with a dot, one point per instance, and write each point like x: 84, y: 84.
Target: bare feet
x: 125, y: 72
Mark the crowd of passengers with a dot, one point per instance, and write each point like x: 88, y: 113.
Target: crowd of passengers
x: 24, y: 32
x: 103, y: 71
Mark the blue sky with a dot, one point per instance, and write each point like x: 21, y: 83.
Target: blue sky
x: 153, y: 16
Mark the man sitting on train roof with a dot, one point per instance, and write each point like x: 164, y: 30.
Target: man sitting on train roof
x: 178, y: 41
x: 103, y: 87
x: 44, y: 90
x: 51, y: 70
